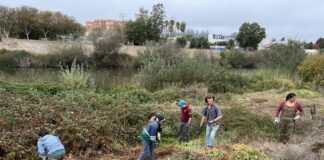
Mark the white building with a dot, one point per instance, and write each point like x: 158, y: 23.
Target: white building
x: 215, y: 38
x: 266, y: 43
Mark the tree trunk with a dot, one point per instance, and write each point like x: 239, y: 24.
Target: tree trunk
x: 6, y: 33
x: 27, y: 33
x: 45, y: 35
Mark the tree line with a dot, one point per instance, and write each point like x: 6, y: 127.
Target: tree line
x: 31, y: 23
x: 151, y: 26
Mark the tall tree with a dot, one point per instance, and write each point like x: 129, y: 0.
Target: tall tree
x: 320, y: 43
x: 183, y: 27
x: 250, y: 35
x: 46, y: 22
x: 146, y: 27
x: 8, y: 20
x: 178, y: 26
x: 166, y: 26
x: 171, y: 25
x: 27, y: 19
x: 157, y: 21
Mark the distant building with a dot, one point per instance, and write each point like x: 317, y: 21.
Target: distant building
x: 106, y: 23
x: 218, y: 48
x: 220, y: 41
x: 215, y: 38
x: 266, y: 43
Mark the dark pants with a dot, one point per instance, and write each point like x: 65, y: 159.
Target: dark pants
x: 180, y: 133
x: 148, y: 149
x: 286, y: 124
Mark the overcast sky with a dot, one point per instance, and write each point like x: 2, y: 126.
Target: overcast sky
x: 296, y: 19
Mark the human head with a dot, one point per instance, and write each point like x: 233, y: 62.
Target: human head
x: 42, y: 132
x: 210, y: 99
x: 160, y: 118
x: 291, y: 97
x: 181, y: 103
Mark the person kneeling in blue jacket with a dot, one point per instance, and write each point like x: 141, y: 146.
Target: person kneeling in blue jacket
x: 49, y: 146
x: 150, y: 136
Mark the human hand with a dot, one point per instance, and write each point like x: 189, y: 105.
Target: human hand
x: 297, y: 118
x: 277, y: 120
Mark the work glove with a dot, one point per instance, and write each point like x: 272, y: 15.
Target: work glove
x: 210, y: 122
x: 297, y: 118
x: 277, y: 120
x: 187, y: 125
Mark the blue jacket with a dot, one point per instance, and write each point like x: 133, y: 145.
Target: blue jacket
x: 49, y: 144
x: 149, y: 133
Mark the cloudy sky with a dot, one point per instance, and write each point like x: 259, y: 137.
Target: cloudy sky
x: 296, y: 19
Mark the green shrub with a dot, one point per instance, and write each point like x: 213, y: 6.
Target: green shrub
x: 245, y: 125
x: 84, y: 123
x: 312, y: 67
x: 306, y: 93
x: 158, y: 62
x: 75, y: 77
x: 61, y: 56
x: 238, y: 59
x: 285, y: 56
x: 43, y: 88
x: 200, y: 43
x: 224, y: 82
x: 167, y: 95
x: 181, y: 41
x: 134, y: 95
x: 114, y: 61
x: 64, y: 56
x: 13, y: 59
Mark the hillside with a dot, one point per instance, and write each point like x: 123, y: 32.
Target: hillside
x: 45, y: 47
x: 96, y: 124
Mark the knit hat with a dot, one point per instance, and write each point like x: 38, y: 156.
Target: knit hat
x: 181, y: 103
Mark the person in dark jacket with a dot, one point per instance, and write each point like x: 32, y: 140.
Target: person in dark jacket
x: 213, y: 115
x: 150, y: 136
x: 49, y: 146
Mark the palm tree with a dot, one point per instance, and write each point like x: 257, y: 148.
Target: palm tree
x: 183, y: 27
x: 171, y: 24
x: 178, y: 26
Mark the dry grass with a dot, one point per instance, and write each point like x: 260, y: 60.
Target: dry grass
x: 44, y: 47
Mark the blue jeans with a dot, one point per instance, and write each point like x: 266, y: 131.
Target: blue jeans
x: 57, y: 155
x: 148, y: 148
x: 211, y: 131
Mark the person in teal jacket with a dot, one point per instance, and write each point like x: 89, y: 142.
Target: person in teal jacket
x: 149, y: 136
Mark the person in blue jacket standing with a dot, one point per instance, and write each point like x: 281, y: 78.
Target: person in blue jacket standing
x: 49, y: 146
x: 150, y: 136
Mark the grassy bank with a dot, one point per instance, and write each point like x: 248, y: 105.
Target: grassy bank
x: 103, y: 121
